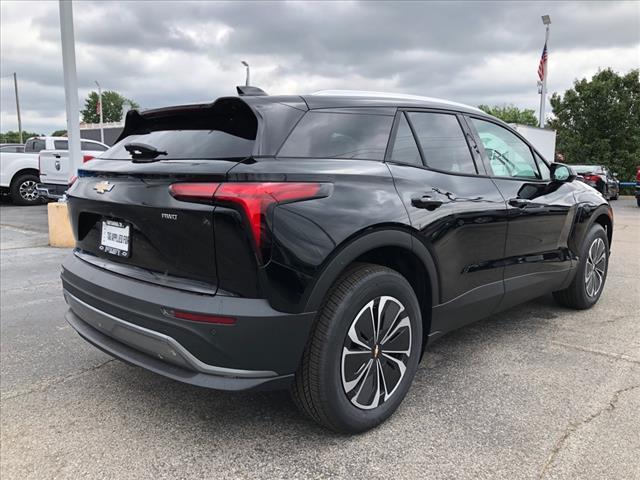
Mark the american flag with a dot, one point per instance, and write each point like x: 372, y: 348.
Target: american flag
x: 542, y: 68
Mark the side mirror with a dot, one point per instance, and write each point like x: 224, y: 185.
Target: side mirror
x: 562, y: 173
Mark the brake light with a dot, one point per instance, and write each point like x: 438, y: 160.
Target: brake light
x: 86, y: 158
x: 254, y: 198
x: 591, y: 178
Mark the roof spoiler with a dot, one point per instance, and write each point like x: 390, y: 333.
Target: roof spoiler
x: 248, y: 91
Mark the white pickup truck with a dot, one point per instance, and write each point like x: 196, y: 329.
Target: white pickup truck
x: 55, y: 167
x: 20, y: 170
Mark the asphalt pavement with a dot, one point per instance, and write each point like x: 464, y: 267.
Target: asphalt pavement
x: 538, y: 391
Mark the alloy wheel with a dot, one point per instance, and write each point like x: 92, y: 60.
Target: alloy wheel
x: 596, y: 265
x: 376, y: 352
x: 28, y: 190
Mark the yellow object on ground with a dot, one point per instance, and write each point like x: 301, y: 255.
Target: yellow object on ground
x: 60, y: 234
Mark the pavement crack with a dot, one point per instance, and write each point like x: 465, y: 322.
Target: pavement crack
x: 617, y: 356
x: 55, y: 381
x: 572, y: 427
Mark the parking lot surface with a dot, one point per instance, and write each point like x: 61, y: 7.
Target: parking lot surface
x: 538, y: 391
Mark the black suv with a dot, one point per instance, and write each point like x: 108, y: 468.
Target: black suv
x: 319, y: 242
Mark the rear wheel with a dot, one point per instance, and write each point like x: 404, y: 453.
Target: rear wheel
x: 363, y: 353
x: 589, y: 280
x: 23, y: 190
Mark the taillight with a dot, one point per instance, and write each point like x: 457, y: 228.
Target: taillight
x: 86, y: 158
x: 254, y: 198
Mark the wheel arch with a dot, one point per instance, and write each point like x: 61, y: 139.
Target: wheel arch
x: 23, y: 171
x: 394, y: 248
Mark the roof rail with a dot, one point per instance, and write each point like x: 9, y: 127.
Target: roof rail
x: 400, y: 96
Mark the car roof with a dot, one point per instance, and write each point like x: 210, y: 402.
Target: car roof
x: 358, y: 98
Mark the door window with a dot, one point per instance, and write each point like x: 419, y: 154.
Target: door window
x: 508, y: 155
x: 405, y: 149
x: 443, y: 142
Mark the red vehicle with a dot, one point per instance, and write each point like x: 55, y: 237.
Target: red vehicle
x: 638, y: 185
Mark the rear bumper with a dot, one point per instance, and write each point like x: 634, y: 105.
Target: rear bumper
x: 51, y: 191
x: 124, y: 318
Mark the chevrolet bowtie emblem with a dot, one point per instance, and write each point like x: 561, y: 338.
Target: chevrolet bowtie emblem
x: 103, y: 187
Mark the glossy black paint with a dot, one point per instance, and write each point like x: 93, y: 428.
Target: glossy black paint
x: 469, y: 244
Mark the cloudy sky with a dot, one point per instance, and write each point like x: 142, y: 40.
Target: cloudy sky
x: 163, y: 53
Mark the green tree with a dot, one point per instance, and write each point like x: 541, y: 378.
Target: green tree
x: 598, y: 121
x: 59, y: 133
x: 112, y: 107
x: 14, y: 137
x: 511, y: 114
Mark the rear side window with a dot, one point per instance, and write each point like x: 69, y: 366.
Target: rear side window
x: 61, y: 144
x: 404, y: 148
x: 339, y: 135
x: 35, y: 145
x: 443, y: 142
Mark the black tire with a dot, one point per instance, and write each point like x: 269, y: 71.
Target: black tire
x: 23, y: 191
x: 319, y: 388
x: 578, y: 294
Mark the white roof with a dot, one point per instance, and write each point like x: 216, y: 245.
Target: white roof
x: 400, y: 96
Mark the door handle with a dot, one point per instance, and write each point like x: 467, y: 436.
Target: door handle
x: 519, y: 202
x: 426, y: 202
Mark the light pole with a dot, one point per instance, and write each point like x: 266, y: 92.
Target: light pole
x: 546, y: 20
x: 15, y: 84
x: 70, y: 84
x: 246, y: 65
x: 100, y: 111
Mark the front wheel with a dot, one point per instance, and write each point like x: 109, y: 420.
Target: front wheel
x: 363, y: 353
x: 588, y: 283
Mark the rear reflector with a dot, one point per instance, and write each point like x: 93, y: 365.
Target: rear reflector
x: 86, y: 158
x: 203, y: 317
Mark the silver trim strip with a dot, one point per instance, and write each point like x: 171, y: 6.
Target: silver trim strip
x: 151, y: 342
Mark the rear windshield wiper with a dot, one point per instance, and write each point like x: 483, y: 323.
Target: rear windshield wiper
x: 142, y: 152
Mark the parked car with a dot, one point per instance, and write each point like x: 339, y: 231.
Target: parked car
x: 638, y: 186
x: 319, y: 242
x: 600, y: 178
x: 12, y: 147
x: 55, y: 168
x: 19, y: 171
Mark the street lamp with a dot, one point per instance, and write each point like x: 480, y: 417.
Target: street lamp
x: 100, y: 111
x: 246, y: 65
x: 546, y: 21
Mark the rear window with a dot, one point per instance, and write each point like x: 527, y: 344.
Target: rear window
x: 339, y: 135
x: 90, y: 146
x: 186, y: 144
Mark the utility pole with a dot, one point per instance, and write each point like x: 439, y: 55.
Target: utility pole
x: 15, y: 84
x: 100, y: 111
x: 247, y: 66
x: 70, y: 85
x: 546, y: 20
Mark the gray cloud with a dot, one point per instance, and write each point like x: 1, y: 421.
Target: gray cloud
x: 161, y: 53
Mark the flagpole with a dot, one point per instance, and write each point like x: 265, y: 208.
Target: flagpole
x: 543, y: 91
